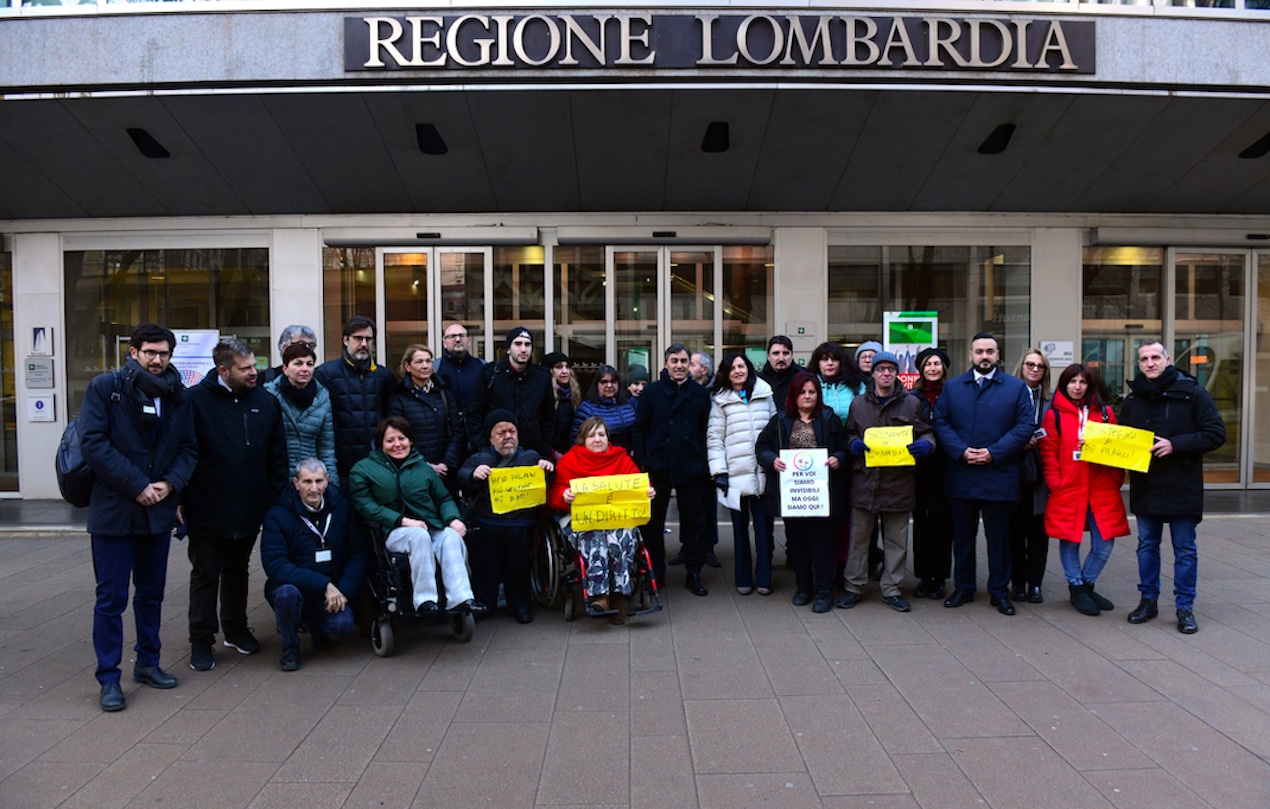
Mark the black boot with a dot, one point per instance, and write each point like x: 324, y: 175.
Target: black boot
x: 1146, y: 610
x: 824, y: 601
x: 694, y: 584
x: 1103, y: 604
x: 1081, y: 600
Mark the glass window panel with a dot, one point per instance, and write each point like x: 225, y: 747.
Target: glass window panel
x: 747, y: 300
x: 578, y: 286
x: 348, y: 289
x: 110, y: 292
x: 635, y: 311
x: 972, y: 288
x: 692, y: 299
x: 405, y: 304
x: 1208, y: 343
x: 8, y: 390
x: 463, y: 295
x: 520, y: 295
x: 1121, y: 304
x: 1261, y: 436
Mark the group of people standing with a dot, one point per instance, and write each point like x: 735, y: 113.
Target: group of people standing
x: 985, y: 446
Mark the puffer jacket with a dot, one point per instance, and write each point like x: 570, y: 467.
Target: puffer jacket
x: 310, y: 432
x: 731, y: 435
x: 359, y: 401
x: 384, y: 493
x: 288, y: 546
x: 1178, y: 409
x: 885, y: 488
x: 619, y: 417
x: 1076, y: 487
x: 434, y: 420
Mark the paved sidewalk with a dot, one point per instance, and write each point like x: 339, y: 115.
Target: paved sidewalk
x: 725, y: 701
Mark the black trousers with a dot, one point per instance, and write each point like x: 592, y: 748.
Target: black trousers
x: 219, y: 569
x: 809, y: 541
x: 499, y: 554
x: 1029, y: 547
x: 696, y: 500
x: 996, y: 528
x: 932, y: 543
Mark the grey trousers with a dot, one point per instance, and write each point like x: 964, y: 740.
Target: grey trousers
x: 894, y: 550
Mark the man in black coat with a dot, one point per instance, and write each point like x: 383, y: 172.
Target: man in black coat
x: 779, y: 368
x: 1186, y: 424
x: 514, y: 383
x: 359, y: 389
x: 458, y: 366
x: 311, y: 549
x: 136, y: 435
x: 242, y: 468
x: 670, y: 444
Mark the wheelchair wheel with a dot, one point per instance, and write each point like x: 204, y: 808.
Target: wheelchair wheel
x: 381, y: 637
x: 544, y: 562
x: 463, y: 626
x: 570, y: 604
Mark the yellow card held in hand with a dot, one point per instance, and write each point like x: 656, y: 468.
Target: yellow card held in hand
x: 512, y: 488
x: 609, y: 501
x: 888, y: 446
x: 1118, y: 446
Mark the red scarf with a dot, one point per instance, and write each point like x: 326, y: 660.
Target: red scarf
x: 580, y: 462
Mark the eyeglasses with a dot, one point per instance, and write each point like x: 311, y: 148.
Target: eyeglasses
x: 455, y: 337
x: 362, y: 338
x: 607, y: 382
x: 305, y: 343
x: 151, y: 354
x: 1034, y: 366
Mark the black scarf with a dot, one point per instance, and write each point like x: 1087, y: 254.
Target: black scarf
x: 1150, y: 388
x: 302, y: 398
x: 148, y: 387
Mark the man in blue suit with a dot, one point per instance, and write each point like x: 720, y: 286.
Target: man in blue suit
x: 983, y: 419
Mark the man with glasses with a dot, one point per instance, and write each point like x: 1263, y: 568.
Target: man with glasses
x: 983, y: 419
x: 359, y: 391
x: 295, y: 334
x: 1186, y: 424
x: 138, y: 438
x: 459, y: 368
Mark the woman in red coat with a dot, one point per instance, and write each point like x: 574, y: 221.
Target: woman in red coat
x: 594, y: 456
x: 1082, y: 495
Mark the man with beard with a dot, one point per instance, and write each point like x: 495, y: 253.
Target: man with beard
x: 515, y: 383
x: 780, y: 367
x: 498, y: 544
x: 983, y: 420
x: 242, y: 468
x: 359, y: 391
x: 137, y: 436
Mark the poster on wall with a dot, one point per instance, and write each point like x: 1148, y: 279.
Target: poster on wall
x: 907, y: 334
x: 193, y: 355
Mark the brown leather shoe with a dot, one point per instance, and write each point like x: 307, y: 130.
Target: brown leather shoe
x: 618, y: 618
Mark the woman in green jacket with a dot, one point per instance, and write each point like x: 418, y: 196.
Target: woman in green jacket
x: 395, y: 487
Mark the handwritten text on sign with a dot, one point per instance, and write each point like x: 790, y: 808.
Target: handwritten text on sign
x: 512, y: 488
x: 609, y: 501
x: 1117, y: 445
x: 805, y: 483
x: 888, y: 446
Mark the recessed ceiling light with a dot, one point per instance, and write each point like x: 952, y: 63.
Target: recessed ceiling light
x: 147, y: 145
x: 716, y: 139
x: 997, y: 142
x: 430, y: 140
x: 1259, y: 149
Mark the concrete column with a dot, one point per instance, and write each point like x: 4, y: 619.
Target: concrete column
x: 1057, y: 256
x: 801, y: 302
x: 37, y: 301
x: 295, y: 285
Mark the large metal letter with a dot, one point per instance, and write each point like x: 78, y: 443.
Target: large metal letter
x: 518, y: 39
x: 898, y: 37
x: 377, y: 42
x: 1020, y: 44
x: 976, y: 42
x: 707, y: 42
x: 627, y: 36
x: 1055, y: 40
x: 573, y: 29
x: 944, y: 43
x: 821, y: 38
x: 870, y: 32
x: 452, y: 41
x: 743, y: 34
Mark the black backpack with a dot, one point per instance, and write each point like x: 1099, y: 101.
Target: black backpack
x: 74, y: 475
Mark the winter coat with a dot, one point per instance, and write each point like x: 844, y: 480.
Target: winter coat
x: 242, y: 460
x: 1178, y: 409
x: 997, y: 417
x: 310, y: 432
x: 670, y: 429
x: 619, y: 417
x: 529, y: 394
x: 1076, y: 487
x: 288, y: 546
x: 359, y: 401
x: 434, y: 420
x: 779, y: 382
x: 838, y: 397
x: 930, y: 470
x: 126, y: 457
x: 478, y: 490
x: 562, y: 420
x: 829, y: 435
x: 1035, y: 490
x: 581, y: 462
x: 384, y: 493
x: 462, y: 376
x: 885, y: 488
x: 731, y: 435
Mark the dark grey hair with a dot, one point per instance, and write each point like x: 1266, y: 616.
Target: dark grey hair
x: 292, y: 332
x: 311, y: 465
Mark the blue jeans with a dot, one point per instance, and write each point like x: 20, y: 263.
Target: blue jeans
x: 1185, y: 557
x: 292, y: 608
x: 1095, y: 561
x: 144, y: 560
x: 757, y: 568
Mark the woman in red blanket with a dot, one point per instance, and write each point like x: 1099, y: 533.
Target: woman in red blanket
x: 608, y: 551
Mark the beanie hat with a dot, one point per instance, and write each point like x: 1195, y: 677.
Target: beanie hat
x: 927, y: 353
x: 868, y: 345
x: 554, y: 358
x: 519, y: 331
x: 636, y: 373
x: 495, y: 416
x: 885, y: 356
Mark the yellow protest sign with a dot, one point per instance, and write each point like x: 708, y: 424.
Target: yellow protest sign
x: 888, y: 446
x: 609, y: 501
x: 512, y: 488
x: 1117, y: 445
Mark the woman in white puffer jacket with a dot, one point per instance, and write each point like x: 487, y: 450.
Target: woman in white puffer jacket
x: 741, y: 406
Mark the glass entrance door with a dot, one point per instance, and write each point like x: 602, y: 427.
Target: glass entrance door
x: 423, y: 289
x: 1259, y: 402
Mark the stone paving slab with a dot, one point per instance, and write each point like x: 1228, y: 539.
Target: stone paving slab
x: 727, y: 701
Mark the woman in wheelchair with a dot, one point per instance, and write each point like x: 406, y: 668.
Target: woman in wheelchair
x: 608, y: 554
x: 395, y: 488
